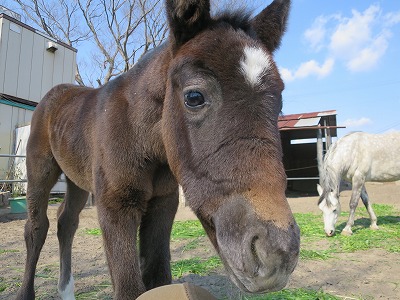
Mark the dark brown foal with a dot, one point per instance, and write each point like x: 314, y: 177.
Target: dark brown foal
x: 201, y: 110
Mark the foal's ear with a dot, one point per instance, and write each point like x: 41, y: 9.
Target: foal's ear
x: 187, y: 18
x: 270, y: 24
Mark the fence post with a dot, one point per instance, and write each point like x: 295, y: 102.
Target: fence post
x: 320, y: 154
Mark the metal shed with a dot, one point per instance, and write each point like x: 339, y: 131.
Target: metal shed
x: 31, y: 63
x: 305, y: 138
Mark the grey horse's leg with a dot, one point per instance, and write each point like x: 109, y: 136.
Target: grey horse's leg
x: 357, y: 184
x: 368, y: 206
x: 155, y: 231
x: 43, y: 173
x: 68, y: 219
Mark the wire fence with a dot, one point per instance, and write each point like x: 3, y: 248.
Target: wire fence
x: 62, y: 180
x: 11, y: 178
x: 9, y: 183
x: 10, y: 172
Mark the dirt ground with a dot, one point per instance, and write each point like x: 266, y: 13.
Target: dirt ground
x: 372, y: 274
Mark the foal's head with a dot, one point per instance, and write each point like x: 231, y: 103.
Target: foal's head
x: 220, y: 132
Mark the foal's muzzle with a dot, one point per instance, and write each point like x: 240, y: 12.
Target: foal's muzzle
x: 258, y: 255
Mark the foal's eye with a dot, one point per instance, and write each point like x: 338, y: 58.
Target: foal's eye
x: 194, y: 100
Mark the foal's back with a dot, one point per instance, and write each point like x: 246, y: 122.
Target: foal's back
x: 57, y: 126
x: 120, y: 118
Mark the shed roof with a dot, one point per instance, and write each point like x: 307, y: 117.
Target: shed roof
x: 304, y: 125
x: 305, y: 119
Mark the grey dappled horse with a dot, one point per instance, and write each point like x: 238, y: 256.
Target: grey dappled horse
x: 357, y: 157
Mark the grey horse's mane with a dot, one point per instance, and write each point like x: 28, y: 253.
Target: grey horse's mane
x: 331, y: 176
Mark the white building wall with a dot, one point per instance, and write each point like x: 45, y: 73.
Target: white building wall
x: 27, y: 70
x: 11, y: 117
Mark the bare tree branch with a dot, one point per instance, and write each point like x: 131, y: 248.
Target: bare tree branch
x: 110, y: 33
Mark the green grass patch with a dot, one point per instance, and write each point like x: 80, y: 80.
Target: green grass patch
x: 93, y: 231
x: 363, y: 238
x: 311, y: 226
x: 3, y: 284
x: 195, y: 265
x: 55, y: 200
x: 47, y: 271
x: 96, y: 292
x: 187, y: 230
x: 2, y: 251
x: 193, y: 244
x: 315, y: 254
x: 293, y: 294
x: 180, y: 230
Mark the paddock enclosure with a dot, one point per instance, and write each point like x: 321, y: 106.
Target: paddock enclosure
x: 211, y: 71
x: 371, y: 274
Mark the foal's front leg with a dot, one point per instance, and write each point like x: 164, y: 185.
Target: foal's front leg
x: 155, y: 232
x: 119, y: 225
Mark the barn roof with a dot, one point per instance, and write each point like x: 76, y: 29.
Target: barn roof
x: 304, y: 125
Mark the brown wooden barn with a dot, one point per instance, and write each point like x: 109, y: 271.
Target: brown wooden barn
x: 305, y: 138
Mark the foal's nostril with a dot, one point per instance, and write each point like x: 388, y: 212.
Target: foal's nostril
x: 257, y: 260
x: 253, y: 245
x: 330, y: 233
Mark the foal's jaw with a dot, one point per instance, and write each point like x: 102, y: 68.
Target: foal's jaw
x: 258, y: 254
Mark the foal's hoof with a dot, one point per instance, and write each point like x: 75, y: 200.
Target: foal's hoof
x: 347, y: 233
x: 374, y: 227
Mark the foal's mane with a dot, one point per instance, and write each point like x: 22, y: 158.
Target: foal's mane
x: 238, y: 19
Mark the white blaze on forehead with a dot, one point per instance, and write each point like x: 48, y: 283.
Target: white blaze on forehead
x: 255, y: 63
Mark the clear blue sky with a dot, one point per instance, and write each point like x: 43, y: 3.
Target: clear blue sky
x: 344, y: 55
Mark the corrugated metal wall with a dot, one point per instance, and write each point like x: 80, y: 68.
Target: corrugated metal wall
x: 11, y: 117
x: 27, y: 70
